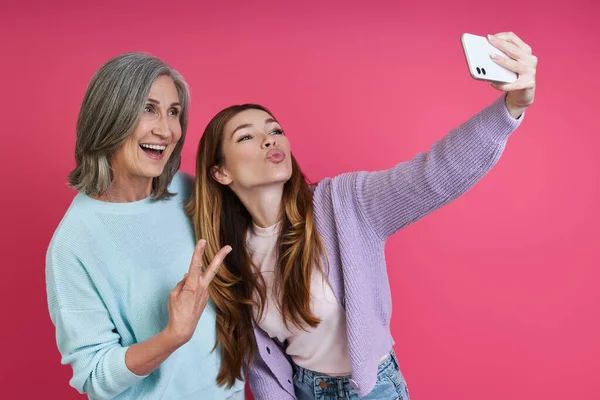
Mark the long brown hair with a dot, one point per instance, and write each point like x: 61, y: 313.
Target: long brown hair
x: 221, y: 219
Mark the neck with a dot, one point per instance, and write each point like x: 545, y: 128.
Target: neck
x: 126, y: 189
x: 263, y: 204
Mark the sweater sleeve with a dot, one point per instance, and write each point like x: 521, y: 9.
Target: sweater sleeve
x: 85, y: 334
x: 395, y: 198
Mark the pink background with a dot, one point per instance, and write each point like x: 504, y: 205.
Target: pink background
x: 495, y: 296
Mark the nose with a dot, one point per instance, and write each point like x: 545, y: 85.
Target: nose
x: 269, y: 142
x: 162, y: 128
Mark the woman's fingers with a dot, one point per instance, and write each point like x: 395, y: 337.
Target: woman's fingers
x: 514, y: 39
x: 213, y: 268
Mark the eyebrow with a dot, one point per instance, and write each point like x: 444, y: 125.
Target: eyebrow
x: 267, y: 121
x: 150, y: 100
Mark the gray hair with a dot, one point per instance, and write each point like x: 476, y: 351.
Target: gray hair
x: 110, y: 112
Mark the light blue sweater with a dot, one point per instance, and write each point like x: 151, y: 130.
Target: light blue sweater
x: 109, y: 270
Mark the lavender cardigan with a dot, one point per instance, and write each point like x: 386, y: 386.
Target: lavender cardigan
x: 355, y: 213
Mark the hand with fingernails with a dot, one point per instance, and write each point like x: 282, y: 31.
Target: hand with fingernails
x: 190, y: 296
x: 520, y: 60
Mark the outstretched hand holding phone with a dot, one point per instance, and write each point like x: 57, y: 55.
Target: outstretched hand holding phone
x: 507, y: 62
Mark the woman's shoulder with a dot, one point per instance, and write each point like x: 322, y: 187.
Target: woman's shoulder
x: 342, y: 184
x: 72, y: 225
x: 69, y: 243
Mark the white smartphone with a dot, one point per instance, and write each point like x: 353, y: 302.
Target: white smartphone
x: 477, y: 52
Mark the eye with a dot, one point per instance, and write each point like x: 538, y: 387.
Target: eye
x: 244, y: 138
x: 174, y: 112
x: 148, y: 108
x: 277, y: 132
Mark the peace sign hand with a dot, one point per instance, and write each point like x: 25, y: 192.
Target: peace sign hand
x: 189, y: 298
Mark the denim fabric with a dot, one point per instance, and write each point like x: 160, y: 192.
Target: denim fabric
x: 390, y: 384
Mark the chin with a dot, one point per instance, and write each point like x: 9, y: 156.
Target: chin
x: 152, y: 170
x: 153, y: 173
x: 282, y: 180
x: 282, y: 176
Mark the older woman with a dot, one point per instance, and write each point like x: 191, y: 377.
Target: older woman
x: 126, y: 288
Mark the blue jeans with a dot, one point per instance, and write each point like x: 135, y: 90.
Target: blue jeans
x: 390, y: 384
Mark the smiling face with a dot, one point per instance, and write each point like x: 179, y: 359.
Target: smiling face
x: 256, y: 152
x: 145, y: 153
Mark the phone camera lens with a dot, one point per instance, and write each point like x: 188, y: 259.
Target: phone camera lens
x: 478, y: 70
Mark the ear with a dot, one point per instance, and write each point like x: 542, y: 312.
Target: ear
x: 219, y: 175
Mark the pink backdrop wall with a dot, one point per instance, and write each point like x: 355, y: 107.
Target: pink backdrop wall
x: 495, y: 296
